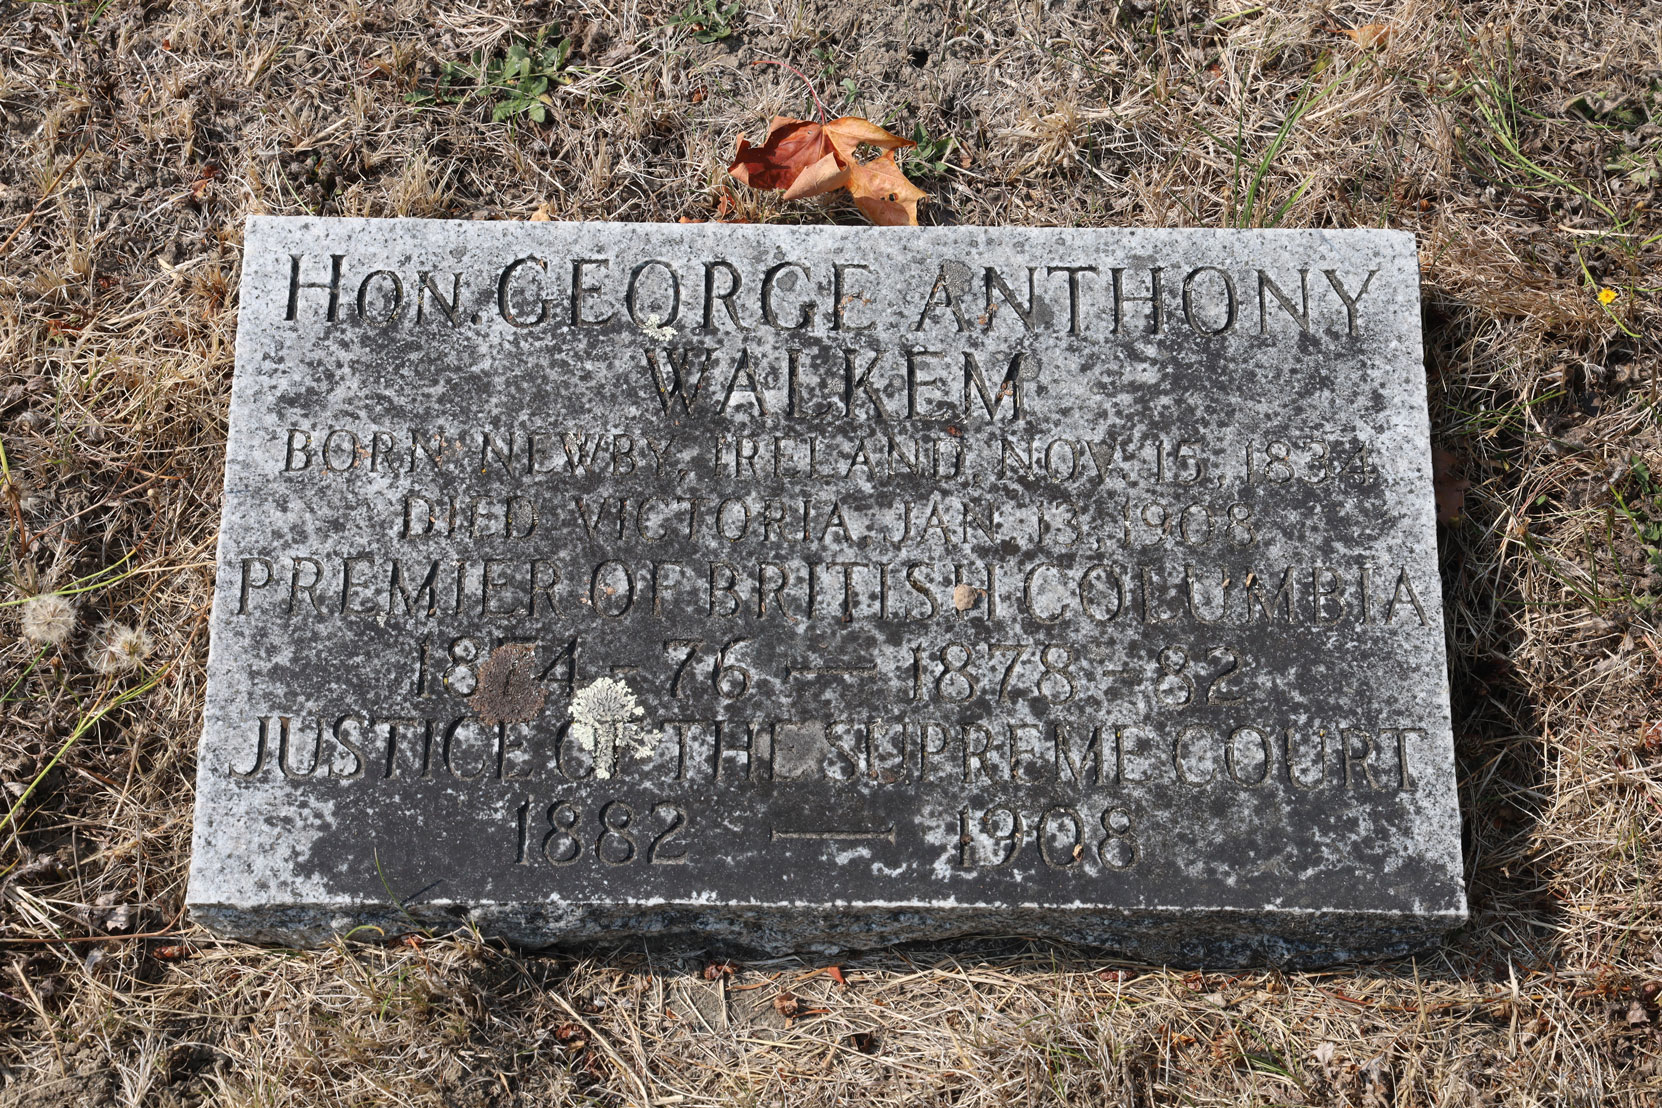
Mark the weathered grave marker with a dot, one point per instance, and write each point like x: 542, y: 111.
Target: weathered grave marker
x: 799, y: 586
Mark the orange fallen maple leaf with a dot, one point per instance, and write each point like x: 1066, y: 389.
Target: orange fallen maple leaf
x: 1367, y: 35
x: 806, y: 159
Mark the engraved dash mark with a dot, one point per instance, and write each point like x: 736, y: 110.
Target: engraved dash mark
x: 792, y: 672
x: 886, y: 835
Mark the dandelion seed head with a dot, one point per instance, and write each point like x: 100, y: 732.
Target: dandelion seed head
x: 48, y: 619
x: 118, y: 648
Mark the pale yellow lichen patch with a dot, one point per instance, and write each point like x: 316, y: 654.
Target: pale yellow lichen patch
x: 655, y: 327
x: 603, y: 717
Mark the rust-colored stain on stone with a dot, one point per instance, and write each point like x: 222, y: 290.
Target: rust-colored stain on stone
x: 508, y: 690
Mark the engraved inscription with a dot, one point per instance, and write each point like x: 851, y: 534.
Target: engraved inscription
x: 705, y: 523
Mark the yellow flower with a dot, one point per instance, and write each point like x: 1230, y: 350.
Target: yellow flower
x: 1607, y: 295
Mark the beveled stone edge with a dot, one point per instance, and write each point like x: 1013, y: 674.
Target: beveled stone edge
x: 1212, y: 937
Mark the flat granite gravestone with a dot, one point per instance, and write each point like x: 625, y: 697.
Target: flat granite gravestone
x: 817, y: 587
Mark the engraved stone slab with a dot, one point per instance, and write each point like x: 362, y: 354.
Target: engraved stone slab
x: 811, y: 587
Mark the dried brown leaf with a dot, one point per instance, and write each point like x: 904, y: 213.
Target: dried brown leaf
x: 791, y: 146
x: 1368, y: 35
x: 882, y: 192
x: 805, y: 159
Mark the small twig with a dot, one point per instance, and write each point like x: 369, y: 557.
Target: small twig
x: 787, y: 65
x: 92, y: 582
x: 49, y: 528
x: 605, y: 1048
x: 44, y: 197
x: 757, y: 985
x: 13, y: 822
x: 166, y: 932
x: 8, y: 489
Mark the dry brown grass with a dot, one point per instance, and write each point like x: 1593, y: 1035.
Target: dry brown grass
x: 1519, y: 140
